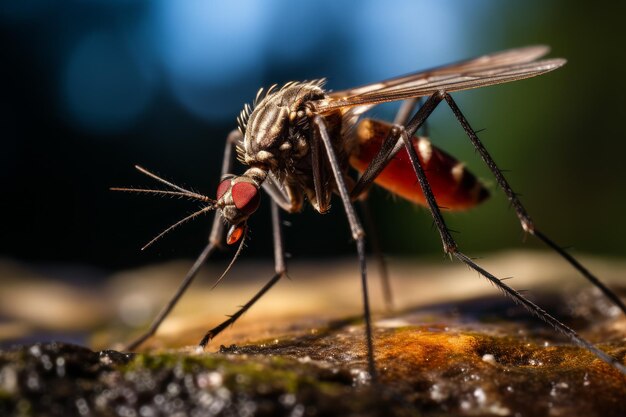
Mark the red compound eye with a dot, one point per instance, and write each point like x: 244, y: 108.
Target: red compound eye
x: 246, y: 197
x: 222, y: 188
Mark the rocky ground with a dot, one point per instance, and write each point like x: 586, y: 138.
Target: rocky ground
x: 452, y: 347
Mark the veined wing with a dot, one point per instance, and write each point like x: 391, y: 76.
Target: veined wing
x: 497, y: 68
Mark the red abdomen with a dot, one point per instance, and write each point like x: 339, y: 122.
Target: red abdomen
x: 454, y: 187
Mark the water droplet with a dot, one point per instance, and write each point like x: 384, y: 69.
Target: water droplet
x: 489, y: 358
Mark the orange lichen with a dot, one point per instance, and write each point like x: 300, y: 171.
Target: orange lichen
x: 418, y: 347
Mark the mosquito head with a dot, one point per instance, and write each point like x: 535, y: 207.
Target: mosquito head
x: 237, y: 198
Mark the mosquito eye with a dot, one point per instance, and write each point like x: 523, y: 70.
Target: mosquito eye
x: 222, y: 188
x: 246, y: 197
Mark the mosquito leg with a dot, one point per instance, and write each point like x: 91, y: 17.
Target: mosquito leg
x: 449, y: 244
x: 215, y: 239
x: 392, y: 144
x: 402, y: 117
x: 425, y: 131
x: 357, y: 233
x: 525, y: 220
x: 405, y: 111
x: 319, y: 180
x: 372, y: 232
x: 387, y: 151
x: 451, y: 248
x: 280, y: 268
x: 278, y: 195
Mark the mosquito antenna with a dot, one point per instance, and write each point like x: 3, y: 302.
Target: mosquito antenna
x: 232, y: 262
x: 178, y: 223
x: 166, y: 182
x: 191, y: 195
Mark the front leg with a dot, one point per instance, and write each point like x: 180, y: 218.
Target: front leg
x: 281, y: 271
x: 215, y: 241
x: 321, y: 195
x: 288, y: 197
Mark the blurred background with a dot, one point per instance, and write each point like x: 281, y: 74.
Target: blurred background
x: 90, y: 88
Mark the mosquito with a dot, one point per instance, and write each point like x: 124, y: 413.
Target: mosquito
x: 301, y: 143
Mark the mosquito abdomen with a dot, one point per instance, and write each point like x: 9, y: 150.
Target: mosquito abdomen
x: 455, y: 188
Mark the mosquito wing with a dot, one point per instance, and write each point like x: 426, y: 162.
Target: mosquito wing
x: 496, y: 68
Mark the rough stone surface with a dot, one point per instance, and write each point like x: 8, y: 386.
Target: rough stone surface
x: 453, y: 348
x: 478, y: 358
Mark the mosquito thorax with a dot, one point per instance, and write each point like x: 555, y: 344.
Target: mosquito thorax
x: 275, y: 127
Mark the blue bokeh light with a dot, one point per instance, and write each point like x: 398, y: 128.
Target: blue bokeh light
x: 209, y: 49
x: 215, y: 55
x: 413, y: 44
x: 294, y: 28
x: 105, y: 85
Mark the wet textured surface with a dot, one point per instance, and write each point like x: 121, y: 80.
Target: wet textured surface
x: 480, y: 357
x: 455, y: 346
